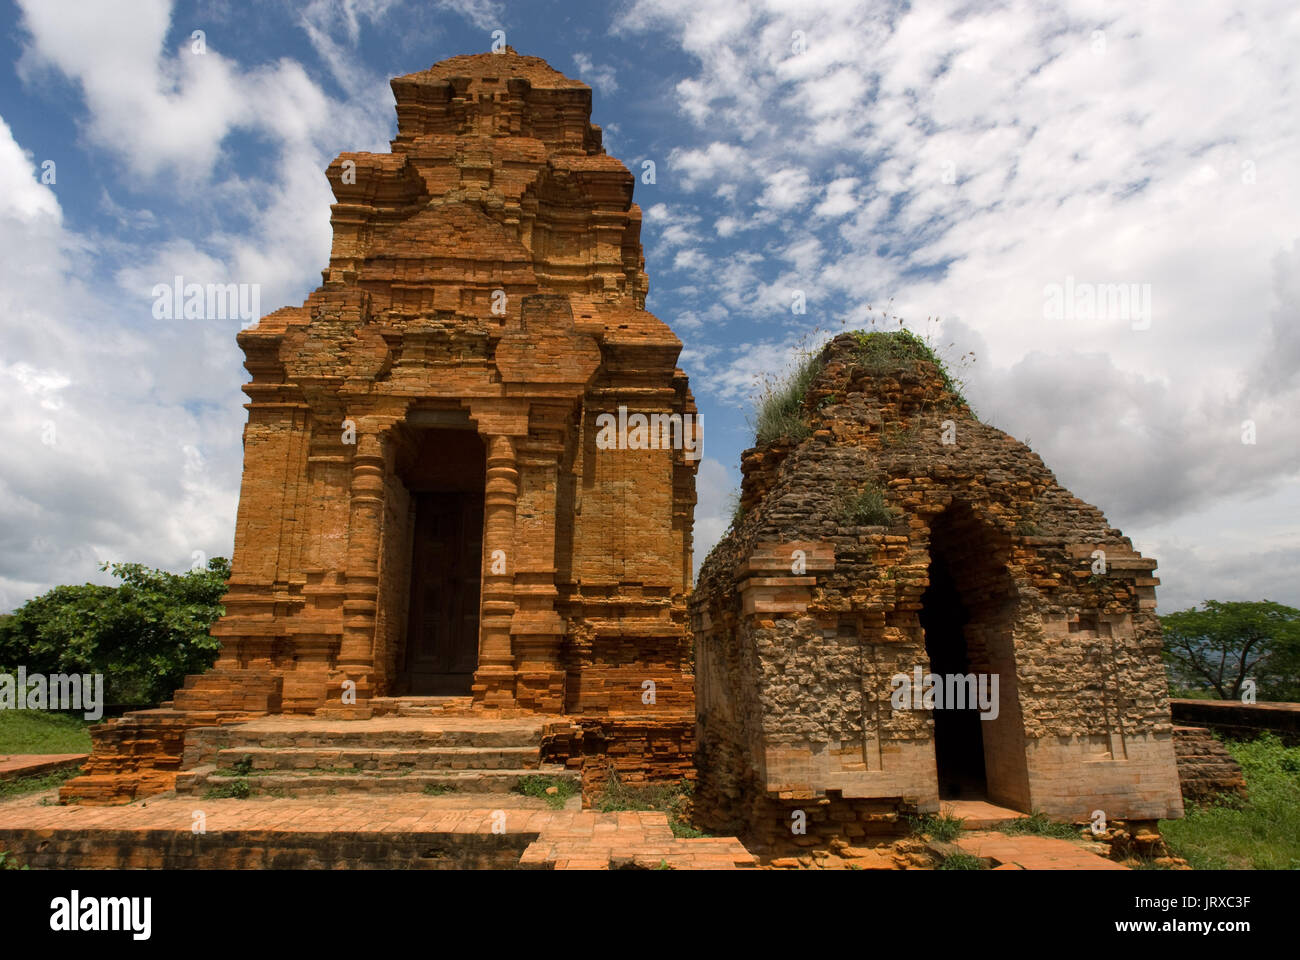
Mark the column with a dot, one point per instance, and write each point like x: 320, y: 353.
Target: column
x: 365, y: 527
x: 495, y: 678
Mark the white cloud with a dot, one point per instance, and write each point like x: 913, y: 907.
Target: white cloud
x: 600, y: 76
x: 1004, y: 150
x: 839, y: 198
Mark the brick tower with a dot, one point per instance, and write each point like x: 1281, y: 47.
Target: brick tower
x: 427, y: 506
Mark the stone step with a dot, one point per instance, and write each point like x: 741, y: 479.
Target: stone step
x: 360, y: 734
x: 347, y: 759
x: 419, y: 706
x: 305, y: 783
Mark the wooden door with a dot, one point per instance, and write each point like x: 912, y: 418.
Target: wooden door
x: 442, y: 633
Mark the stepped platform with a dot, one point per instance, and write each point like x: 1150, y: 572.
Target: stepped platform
x: 408, y: 831
x: 419, y: 786
x: 305, y: 756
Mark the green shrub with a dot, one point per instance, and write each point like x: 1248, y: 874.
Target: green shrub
x: 671, y: 797
x: 145, y: 636
x: 866, y: 508
x: 779, y: 413
x: 234, y: 790
x: 944, y: 829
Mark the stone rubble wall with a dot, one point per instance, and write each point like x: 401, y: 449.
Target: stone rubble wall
x: 793, y: 671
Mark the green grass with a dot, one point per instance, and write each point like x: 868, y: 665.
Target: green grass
x: 944, y: 829
x: 962, y: 861
x: 45, y: 781
x: 885, y: 351
x: 737, y: 511
x: 1039, y: 824
x: 35, y: 731
x: 235, y: 790
x: 537, y: 785
x: 438, y: 789
x: 671, y: 797
x: 1261, y: 833
x: 866, y: 508
x: 779, y: 414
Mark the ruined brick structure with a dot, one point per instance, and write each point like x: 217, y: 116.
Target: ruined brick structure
x: 980, y: 563
x: 425, y: 507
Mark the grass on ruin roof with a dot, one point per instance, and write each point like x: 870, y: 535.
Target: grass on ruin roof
x: 779, y: 412
x: 880, y: 351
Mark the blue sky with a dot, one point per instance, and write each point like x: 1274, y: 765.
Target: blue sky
x: 952, y: 160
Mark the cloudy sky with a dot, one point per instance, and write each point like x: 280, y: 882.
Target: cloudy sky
x: 1007, y: 169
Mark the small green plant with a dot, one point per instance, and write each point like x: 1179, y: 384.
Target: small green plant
x: 1039, y: 824
x: 779, y: 411
x: 882, y: 351
x: 896, y: 434
x: 962, y: 861
x: 945, y: 829
x: 438, y: 789
x: 737, y: 509
x: 7, y: 864
x: 539, y: 786
x: 234, y: 790
x: 866, y: 508
x: 671, y: 797
x: 45, y: 781
x: 1027, y: 528
x: 243, y: 766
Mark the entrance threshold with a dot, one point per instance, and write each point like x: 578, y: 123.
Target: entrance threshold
x: 979, y: 814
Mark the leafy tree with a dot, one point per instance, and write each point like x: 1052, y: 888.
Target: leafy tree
x: 1226, y: 643
x: 145, y: 635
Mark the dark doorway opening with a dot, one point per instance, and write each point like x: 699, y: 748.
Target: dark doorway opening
x: 442, y: 635
x: 958, y: 733
x: 445, y: 476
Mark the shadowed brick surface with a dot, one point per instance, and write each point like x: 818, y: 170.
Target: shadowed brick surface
x: 445, y: 832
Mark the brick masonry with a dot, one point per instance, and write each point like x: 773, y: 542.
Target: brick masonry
x: 482, y: 309
x: 802, y: 616
x: 1241, y: 721
x: 1206, y: 771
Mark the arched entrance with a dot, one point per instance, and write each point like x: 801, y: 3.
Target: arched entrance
x: 969, y: 615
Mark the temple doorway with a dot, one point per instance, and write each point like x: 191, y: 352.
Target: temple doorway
x: 446, y: 486
x: 969, y: 614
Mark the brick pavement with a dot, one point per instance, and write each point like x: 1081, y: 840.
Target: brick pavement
x: 1034, y: 853
x: 14, y: 765
x: 472, y: 830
